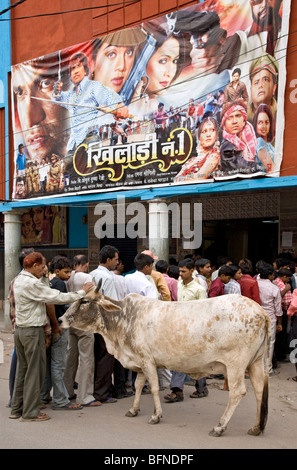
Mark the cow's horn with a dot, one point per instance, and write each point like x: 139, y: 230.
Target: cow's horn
x: 98, y: 286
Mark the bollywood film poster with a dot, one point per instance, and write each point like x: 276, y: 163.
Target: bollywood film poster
x: 194, y: 96
x: 44, y: 225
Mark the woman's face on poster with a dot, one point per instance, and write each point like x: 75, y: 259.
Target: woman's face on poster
x: 208, y: 135
x: 38, y: 216
x: 263, y: 125
x: 162, y: 67
x: 113, y: 65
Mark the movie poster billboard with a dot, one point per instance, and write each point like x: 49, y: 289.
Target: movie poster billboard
x: 44, y: 225
x: 194, y: 96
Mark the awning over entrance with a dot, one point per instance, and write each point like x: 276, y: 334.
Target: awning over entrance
x: 145, y: 194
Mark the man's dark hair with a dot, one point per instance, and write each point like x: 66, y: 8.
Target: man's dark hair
x: 200, y: 263
x: 161, y: 266
x: 80, y: 260
x: 246, y: 266
x: 265, y: 270
x: 173, y: 271
x: 284, y: 272
x: 60, y: 262
x: 23, y: 253
x: 222, y: 259
x: 82, y: 58
x: 226, y: 270
x: 141, y: 260
x: 187, y: 263
x: 237, y: 70
x: 21, y: 146
x: 106, y: 252
x: 281, y: 262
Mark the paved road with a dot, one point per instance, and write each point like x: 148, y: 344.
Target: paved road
x: 184, y: 425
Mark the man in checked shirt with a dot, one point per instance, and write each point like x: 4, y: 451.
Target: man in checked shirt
x: 91, y: 94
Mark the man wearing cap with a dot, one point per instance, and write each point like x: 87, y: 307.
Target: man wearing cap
x: 263, y: 77
x: 159, y: 280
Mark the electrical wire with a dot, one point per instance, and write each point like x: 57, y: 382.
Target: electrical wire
x: 68, y: 11
x: 11, y: 7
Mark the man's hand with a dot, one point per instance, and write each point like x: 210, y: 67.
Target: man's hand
x: 88, y: 286
x: 58, y: 88
x: 122, y: 112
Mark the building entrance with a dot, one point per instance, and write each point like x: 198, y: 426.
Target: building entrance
x: 254, y: 239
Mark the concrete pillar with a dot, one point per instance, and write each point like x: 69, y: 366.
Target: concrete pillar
x: 159, y: 229
x: 12, y: 247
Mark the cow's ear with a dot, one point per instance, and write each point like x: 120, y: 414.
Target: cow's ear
x: 98, y: 286
x: 109, y: 306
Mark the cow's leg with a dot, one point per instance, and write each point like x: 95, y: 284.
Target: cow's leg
x: 260, y: 384
x: 139, y: 384
x: 236, y: 391
x: 153, y: 379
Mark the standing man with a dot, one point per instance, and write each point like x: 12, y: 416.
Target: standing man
x: 249, y: 286
x: 104, y: 362
x: 43, y: 170
x: 272, y: 303
x: 236, y: 88
x: 80, y: 344
x: 31, y: 296
x: 160, y: 117
x: 188, y: 289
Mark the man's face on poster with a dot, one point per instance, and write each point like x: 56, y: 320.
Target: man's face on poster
x: 43, y: 123
x: 264, y: 12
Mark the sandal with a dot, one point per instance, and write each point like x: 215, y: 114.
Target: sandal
x: 174, y: 397
x: 41, y: 417
x: 197, y: 394
x: 294, y: 378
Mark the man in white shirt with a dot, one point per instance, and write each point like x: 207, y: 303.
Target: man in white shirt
x: 80, y: 344
x: 43, y: 171
x: 137, y: 282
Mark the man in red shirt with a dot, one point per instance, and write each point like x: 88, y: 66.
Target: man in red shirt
x: 217, y: 286
x: 249, y: 286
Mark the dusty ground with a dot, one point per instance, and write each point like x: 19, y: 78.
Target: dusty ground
x: 184, y: 425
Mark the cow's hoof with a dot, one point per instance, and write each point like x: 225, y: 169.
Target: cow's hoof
x: 216, y: 432
x: 130, y: 414
x: 255, y: 431
x: 154, y: 420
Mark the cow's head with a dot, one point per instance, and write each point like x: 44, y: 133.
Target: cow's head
x: 91, y: 313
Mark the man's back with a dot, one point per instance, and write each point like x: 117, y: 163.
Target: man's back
x: 137, y: 283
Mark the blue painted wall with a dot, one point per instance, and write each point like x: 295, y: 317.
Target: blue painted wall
x: 77, y: 231
x: 5, y: 67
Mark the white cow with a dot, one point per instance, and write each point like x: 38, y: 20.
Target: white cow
x: 221, y: 335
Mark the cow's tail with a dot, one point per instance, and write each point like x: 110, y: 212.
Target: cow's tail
x: 264, y: 402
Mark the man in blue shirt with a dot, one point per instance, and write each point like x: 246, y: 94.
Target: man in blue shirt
x: 89, y: 93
